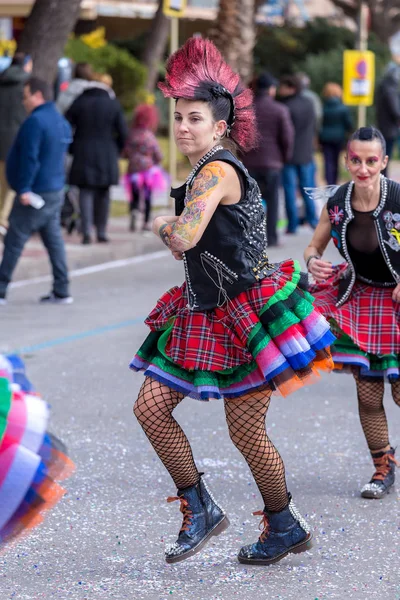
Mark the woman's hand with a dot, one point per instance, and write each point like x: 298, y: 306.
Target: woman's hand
x: 160, y: 221
x: 396, y: 293
x: 320, y: 269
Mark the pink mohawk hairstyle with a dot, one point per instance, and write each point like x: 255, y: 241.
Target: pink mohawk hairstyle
x: 197, y: 71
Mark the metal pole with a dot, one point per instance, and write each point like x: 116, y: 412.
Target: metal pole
x: 363, y: 45
x: 174, y: 42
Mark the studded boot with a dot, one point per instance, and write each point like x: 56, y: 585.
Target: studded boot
x: 202, y: 519
x: 383, y: 478
x: 283, y: 532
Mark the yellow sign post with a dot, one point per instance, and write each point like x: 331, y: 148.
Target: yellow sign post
x: 173, y: 9
x: 358, y: 77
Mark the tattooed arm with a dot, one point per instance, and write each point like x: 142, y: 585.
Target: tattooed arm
x: 208, y: 189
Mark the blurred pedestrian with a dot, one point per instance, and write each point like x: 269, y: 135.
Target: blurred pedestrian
x: 300, y: 171
x: 35, y: 170
x: 387, y: 105
x: 100, y: 132
x: 307, y: 92
x: 12, y: 115
x: 336, y: 124
x: 275, y: 147
x: 84, y: 79
x: 144, y: 155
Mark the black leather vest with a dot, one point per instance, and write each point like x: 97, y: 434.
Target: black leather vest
x: 231, y: 254
x: 387, y: 223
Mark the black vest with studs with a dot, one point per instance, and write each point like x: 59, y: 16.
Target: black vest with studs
x: 231, y: 254
x: 387, y: 223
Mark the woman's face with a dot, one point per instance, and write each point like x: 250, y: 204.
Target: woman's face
x: 365, y: 161
x: 195, y: 130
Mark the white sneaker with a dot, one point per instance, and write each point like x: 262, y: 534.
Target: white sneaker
x: 53, y: 298
x: 3, y: 301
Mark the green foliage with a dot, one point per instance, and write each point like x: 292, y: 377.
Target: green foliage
x: 316, y: 49
x: 327, y: 66
x: 135, y: 45
x: 128, y: 74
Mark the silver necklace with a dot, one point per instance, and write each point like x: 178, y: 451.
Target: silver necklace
x: 200, y: 162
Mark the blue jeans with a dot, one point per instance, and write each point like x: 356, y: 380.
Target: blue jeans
x: 23, y: 222
x: 268, y: 182
x: 331, y: 158
x: 292, y: 177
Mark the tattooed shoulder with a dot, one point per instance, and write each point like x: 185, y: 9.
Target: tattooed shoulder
x: 207, y: 180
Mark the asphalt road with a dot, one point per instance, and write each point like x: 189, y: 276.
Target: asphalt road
x: 105, y: 539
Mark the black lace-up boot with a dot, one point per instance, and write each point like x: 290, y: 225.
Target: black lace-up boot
x: 202, y: 519
x: 383, y: 478
x: 283, y: 532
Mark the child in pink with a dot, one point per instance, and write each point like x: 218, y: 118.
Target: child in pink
x: 144, y: 155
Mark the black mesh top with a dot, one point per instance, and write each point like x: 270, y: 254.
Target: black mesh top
x: 364, y: 250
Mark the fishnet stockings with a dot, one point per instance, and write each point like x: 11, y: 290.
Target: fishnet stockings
x: 372, y: 413
x: 396, y: 392
x: 246, y: 423
x: 153, y: 409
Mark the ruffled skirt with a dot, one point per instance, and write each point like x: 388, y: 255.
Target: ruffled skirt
x: 269, y: 336
x: 367, y: 327
x: 31, y: 460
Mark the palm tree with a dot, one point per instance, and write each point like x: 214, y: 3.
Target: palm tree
x: 384, y: 15
x: 46, y: 32
x: 155, y: 46
x: 235, y: 34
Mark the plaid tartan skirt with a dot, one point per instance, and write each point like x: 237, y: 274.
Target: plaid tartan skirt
x: 269, y: 336
x: 367, y: 327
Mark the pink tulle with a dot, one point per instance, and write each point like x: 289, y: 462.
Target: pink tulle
x: 154, y: 178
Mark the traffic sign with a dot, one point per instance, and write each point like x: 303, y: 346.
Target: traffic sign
x: 174, y: 8
x: 358, y: 77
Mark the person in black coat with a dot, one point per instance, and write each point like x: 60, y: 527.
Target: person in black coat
x: 299, y: 171
x: 100, y: 132
x: 336, y: 125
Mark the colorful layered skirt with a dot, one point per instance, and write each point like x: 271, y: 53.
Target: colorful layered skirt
x: 31, y: 460
x: 367, y: 327
x: 269, y: 336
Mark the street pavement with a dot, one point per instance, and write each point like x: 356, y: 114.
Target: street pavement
x: 105, y: 538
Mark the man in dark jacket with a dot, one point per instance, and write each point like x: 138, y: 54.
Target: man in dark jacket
x: 100, y: 132
x: 35, y: 170
x: 300, y: 170
x: 388, y: 107
x: 12, y: 115
x: 276, y: 135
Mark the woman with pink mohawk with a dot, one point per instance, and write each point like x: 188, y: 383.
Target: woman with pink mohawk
x: 239, y: 328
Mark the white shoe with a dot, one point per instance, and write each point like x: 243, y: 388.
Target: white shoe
x: 52, y: 298
x: 3, y: 301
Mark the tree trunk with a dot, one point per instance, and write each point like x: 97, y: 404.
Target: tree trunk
x: 155, y: 47
x: 46, y: 32
x: 247, y: 28
x: 234, y: 34
x: 384, y: 15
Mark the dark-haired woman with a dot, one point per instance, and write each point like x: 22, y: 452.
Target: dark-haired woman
x: 361, y: 296
x: 239, y: 327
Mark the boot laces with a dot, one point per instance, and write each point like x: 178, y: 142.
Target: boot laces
x: 383, y: 466
x: 264, y: 524
x: 185, y: 510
